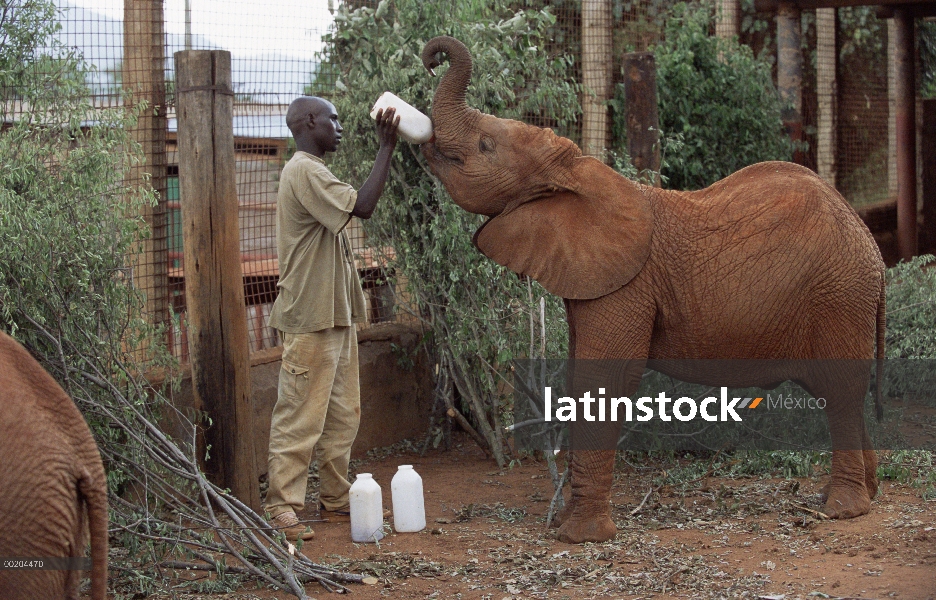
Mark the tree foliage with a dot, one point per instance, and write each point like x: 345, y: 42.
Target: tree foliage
x: 911, y: 309
x: 69, y: 228
x: 718, y: 98
x: 476, y: 314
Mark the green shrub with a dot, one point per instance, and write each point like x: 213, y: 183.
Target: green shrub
x: 911, y: 309
x: 478, y: 315
x: 715, y: 96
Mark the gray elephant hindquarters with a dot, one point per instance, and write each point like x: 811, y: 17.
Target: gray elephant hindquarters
x: 53, y: 489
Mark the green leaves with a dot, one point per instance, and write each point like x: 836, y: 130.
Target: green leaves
x: 719, y: 98
x: 911, y: 309
x: 477, y: 313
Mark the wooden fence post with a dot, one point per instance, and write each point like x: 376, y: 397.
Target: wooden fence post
x: 597, y: 76
x: 143, y: 75
x: 214, y: 289
x: 642, y: 114
x: 928, y: 156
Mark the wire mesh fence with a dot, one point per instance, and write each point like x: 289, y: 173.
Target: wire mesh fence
x: 845, y: 110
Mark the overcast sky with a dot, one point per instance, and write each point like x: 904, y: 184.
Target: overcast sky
x: 244, y: 27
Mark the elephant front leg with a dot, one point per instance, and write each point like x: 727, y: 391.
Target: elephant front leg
x: 848, y: 494
x: 588, y: 514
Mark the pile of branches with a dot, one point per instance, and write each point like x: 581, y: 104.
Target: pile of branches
x: 169, y: 516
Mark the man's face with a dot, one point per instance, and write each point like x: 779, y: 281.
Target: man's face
x: 327, y: 129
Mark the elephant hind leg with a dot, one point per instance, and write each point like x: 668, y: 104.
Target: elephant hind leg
x: 853, y: 481
x: 870, y: 475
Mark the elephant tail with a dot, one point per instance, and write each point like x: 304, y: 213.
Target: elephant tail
x: 881, y: 346
x: 94, y: 492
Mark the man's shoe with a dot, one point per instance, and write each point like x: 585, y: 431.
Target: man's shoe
x: 288, y: 523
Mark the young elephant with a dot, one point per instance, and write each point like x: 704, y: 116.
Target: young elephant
x: 768, y: 263
x: 50, y: 476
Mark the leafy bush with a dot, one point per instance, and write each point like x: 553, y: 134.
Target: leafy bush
x: 477, y: 315
x: 717, y: 97
x: 911, y: 309
x: 69, y: 223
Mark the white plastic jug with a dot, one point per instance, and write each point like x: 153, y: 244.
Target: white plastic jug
x: 415, y: 127
x: 366, y: 509
x: 409, y: 511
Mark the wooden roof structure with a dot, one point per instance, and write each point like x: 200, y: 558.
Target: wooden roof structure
x: 789, y: 80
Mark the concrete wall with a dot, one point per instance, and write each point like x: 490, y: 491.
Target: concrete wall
x: 396, y: 400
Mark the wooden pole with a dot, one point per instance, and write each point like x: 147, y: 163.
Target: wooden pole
x: 727, y: 23
x: 642, y: 114
x: 144, y: 77
x: 827, y: 101
x: 214, y: 292
x: 905, y: 110
x: 790, y: 71
x: 596, y: 76
x: 928, y: 164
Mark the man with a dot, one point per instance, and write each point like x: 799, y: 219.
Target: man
x: 320, y: 300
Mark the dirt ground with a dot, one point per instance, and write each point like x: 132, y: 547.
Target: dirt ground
x: 713, y: 538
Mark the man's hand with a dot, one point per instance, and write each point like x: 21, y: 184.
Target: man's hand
x: 387, y: 123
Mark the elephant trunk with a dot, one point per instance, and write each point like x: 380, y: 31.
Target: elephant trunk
x: 450, y: 112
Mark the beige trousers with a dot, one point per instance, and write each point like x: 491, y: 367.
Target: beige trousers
x: 318, y: 407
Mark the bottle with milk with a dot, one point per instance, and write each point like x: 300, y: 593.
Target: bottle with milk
x: 415, y: 127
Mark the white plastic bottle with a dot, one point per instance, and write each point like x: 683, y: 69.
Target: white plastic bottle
x: 366, y: 509
x: 415, y: 127
x: 409, y: 511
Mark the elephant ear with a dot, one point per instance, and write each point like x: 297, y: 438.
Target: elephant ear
x: 579, y: 244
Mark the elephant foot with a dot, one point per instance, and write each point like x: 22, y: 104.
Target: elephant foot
x: 853, y: 484
x: 846, y: 502
x: 595, y: 528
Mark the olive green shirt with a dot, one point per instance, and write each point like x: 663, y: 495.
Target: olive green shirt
x: 318, y: 284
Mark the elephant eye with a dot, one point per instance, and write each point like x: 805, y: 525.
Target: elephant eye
x: 486, y: 144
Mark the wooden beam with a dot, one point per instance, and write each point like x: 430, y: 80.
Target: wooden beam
x: 917, y: 11
x: 905, y: 75
x: 214, y: 291
x: 728, y: 18
x: 790, y: 71
x: 827, y: 98
x: 771, y: 5
x: 928, y: 164
x: 597, y: 69
x: 144, y: 79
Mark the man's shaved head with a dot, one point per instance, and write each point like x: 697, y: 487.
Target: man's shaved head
x: 301, y: 107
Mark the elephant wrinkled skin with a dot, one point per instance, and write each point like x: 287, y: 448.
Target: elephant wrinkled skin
x: 768, y: 263
x: 51, y: 475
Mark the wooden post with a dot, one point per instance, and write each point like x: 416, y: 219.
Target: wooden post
x: 728, y: 18
x: 790, y: 71
x: 144, y: 77
x: 214, y: 290
x: 826, y: 92
x: 928, y: 164
x: 642, y: 114
x: 905, y: 129
x: 891, y: 115
x: 596, y: 76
